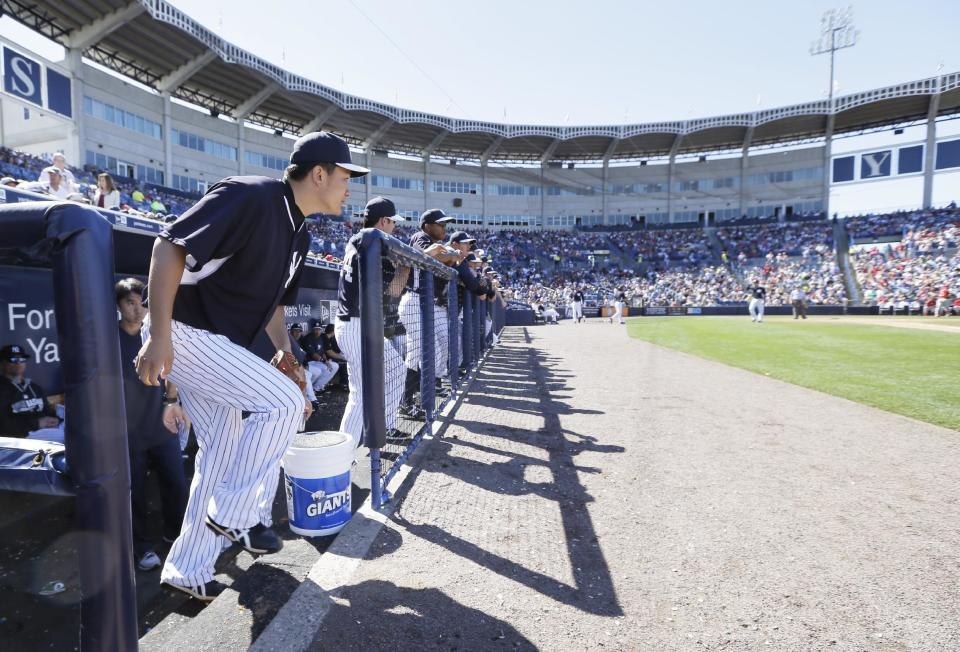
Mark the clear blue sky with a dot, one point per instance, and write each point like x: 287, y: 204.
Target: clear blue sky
x: 563, y: 62
x: 586, y: 62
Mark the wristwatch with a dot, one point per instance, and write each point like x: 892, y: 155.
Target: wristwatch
x: 170, y: 400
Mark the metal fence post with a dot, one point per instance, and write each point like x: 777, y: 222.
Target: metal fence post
x: 453, y: 331
x: 371, y: 338
x: 428, y: 350
x: 467, y: 329
x: 478, y: 329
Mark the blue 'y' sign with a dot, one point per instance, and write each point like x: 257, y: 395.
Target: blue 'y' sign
x: 875, y: 164
x: 21, y: 76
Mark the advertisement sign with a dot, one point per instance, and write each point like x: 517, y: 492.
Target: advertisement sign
x: 27, y: 318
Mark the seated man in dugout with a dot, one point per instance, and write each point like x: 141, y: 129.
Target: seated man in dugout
x: 25, y: 410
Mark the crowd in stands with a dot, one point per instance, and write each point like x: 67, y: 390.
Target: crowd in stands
x: 792, y: 238
x: 818, y: 276
x: 661, y: 248
x: 898, y: 224
x: 32, y: 173
x: 920, y: 272
x: 671, y: 265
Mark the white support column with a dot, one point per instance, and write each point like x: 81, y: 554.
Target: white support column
x: 827, y: 165
x: 426, y: 182
x: 543, y: 197
x: 744, y: 164
x: 167, y: 140
x: 544, y: 160
x: 929, y: 152
x: 483, y: 192
x: 606, y: 169
x: 241, y: 149
x: 78, y: 135
x: 368, y: 180
x: 484, y: 158
x: 673, y: 157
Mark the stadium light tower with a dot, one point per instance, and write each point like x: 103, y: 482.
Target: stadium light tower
x: 836, y: 33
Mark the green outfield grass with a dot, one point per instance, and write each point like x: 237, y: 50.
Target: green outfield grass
x: 911, y: 372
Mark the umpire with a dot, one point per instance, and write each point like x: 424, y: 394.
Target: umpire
x: 220, y: 276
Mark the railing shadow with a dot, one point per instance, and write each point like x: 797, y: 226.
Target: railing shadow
x: 592, y: 589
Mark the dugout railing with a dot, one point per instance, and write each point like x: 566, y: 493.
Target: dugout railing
x: 440, y: 333
x: 79, y: 243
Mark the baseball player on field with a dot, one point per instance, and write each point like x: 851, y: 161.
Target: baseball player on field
x: 758, y: 296
x: 620, y: 298
x: 379, y: 214
x: 577, y: 306
x: 433, y: 226
x: 220, y: 275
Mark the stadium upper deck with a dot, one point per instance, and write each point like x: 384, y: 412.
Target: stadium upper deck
x: 167, y: 50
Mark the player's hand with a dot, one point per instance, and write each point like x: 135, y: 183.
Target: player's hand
x: 173, y: 417
x: 307, y: 407
x: 155, y: 360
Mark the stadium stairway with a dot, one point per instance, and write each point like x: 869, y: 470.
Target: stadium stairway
x: 715, y: 245
x: 841, y: 240
x: 620, y: 258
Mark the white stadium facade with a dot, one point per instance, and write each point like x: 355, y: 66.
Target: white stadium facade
x: 147, y: 92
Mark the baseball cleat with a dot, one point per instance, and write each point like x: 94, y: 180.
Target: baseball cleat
x: 257, y: 540
x: 202, y: 592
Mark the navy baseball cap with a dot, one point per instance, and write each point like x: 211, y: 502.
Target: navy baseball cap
x: 461, y: 237
x: 14, y: 353
x: 435, y: 216
x: 380, y: 207
x: 295, y: 327
x: 324, y: 147
x: 316, y: 323
x: 472, y: 258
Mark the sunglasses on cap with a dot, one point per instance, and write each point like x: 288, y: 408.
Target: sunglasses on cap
x: 17, y: 359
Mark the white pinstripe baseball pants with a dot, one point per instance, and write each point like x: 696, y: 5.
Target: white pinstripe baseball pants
x: 348, y: 338
x: 217, y: 381
x: 410, y: 318
x: 322, y: 373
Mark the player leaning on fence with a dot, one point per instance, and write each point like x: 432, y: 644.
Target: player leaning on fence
x: 220, y: 275
x: 379, y: 214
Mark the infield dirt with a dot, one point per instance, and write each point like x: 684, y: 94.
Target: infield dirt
x: 600, y: 492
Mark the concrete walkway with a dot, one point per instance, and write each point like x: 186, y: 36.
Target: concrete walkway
x: 598, y: 492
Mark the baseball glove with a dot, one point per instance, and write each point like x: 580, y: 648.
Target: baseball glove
x: 290, y: 367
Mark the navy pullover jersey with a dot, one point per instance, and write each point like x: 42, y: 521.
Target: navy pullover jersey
x: 420, y: 240
x: 348, y: 288
x: 759, y: 292
x: 246, y: 246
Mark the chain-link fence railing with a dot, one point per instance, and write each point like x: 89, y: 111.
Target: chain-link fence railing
x: 418, y: 344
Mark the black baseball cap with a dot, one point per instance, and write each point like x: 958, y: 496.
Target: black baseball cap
x: 324, y: 147
x: 435, y: 216
x: 296, y: 327
x: 316, y: 323
x: 14, y: 353
x: 379, y: 208
x: 472, y: 258
x: 461, y: 237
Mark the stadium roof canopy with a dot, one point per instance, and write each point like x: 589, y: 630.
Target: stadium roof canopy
x: 158, y: 45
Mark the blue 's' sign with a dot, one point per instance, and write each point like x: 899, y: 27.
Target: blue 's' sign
x: 22, y: 76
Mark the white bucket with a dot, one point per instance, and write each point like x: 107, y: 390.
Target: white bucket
x: 317, y: 478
